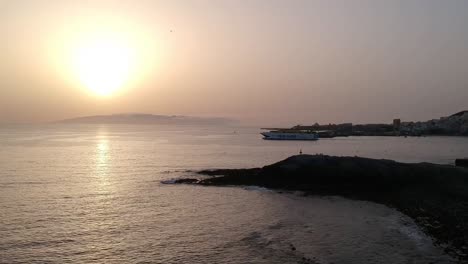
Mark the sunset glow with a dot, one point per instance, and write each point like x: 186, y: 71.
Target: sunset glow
x: 103, y: 65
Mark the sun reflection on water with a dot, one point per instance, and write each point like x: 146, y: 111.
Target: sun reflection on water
x: 103, y: 183
x: 102, y: 155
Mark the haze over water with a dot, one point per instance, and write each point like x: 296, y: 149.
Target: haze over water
x: 93, y: 194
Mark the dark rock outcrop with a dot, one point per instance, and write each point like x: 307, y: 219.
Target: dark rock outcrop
x: 186, y: 181
x: 461, y: 162
x: 436, y: 196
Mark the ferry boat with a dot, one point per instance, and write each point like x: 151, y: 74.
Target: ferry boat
x: 290, y: 134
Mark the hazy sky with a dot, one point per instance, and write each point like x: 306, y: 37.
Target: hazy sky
x: 266, y: 62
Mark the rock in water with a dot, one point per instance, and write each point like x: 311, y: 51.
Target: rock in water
x: 436, y: 196
x: 461, y: 163
x: 186, y: 180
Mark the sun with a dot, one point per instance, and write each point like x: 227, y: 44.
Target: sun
x: 103, y: 64
x: 106, y: 56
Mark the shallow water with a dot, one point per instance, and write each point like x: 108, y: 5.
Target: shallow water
x: 93, y: 194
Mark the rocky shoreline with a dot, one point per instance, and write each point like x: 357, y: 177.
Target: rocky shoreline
x: 436, y: 196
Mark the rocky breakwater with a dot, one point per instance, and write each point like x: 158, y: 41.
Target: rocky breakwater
x: 461, y: 162
x: 436, y: 196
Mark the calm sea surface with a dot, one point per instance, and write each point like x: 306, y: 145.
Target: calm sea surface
x: 93, y: 194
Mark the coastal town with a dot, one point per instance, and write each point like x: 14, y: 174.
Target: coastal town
x: 453, y: 125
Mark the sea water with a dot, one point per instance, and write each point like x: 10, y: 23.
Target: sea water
x: 94, y: 194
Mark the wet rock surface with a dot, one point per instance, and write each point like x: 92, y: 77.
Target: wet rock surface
x: 186, y: 180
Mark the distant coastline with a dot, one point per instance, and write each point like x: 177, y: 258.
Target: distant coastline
x: 453, y: 125
x: 138, y: 118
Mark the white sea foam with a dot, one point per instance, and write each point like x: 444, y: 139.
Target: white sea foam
x: 415, y: 234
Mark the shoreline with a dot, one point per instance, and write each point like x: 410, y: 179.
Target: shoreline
x: 434, y: 196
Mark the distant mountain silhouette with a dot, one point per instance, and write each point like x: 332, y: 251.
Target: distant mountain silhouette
x: 136, y: 118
